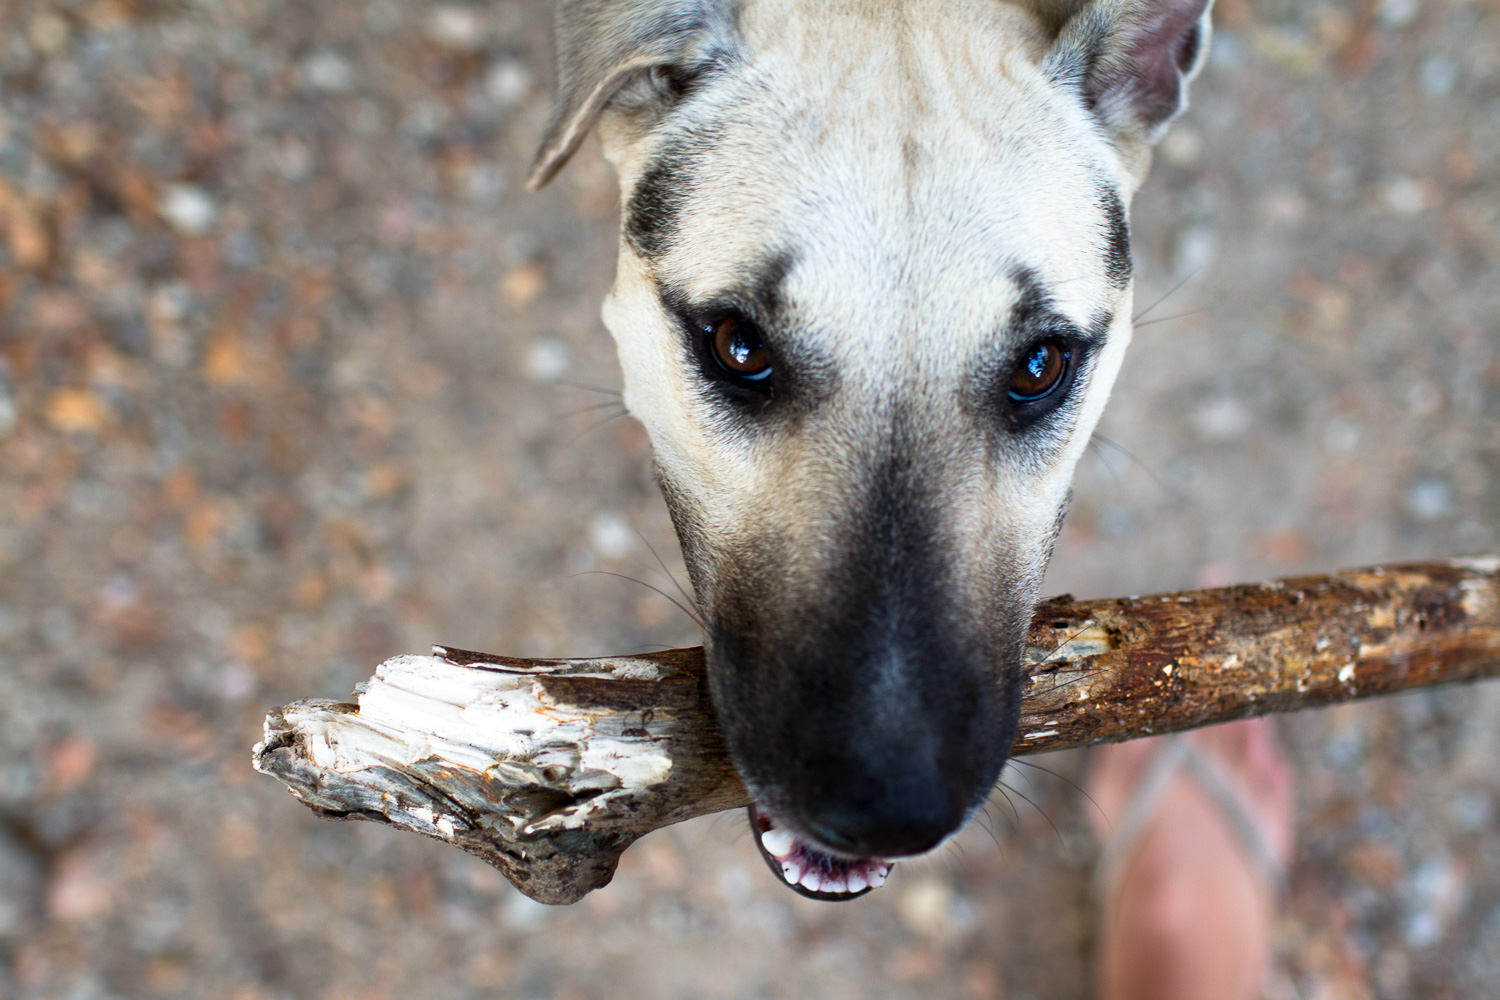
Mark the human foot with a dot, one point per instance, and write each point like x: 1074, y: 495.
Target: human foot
x: 1196, y: 830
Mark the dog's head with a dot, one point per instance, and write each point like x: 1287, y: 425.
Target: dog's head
x: 874, y: 286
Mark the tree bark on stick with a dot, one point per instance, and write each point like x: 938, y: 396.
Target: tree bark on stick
x: 549, y: 769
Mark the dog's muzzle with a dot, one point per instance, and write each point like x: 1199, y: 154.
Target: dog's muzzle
x: 852, y: 767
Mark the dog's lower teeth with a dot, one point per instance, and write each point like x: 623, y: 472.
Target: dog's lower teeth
x: 811, y: 869
x: 778, y: 841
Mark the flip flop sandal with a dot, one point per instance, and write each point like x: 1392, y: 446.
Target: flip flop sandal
x: 1176, y: 753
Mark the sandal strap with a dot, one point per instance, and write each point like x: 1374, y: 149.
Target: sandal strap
x: 1121, y: 845
x: 1175, y: 753
x: 1229, y: 796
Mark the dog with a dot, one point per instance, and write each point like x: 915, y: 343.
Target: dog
x: 874, y: 286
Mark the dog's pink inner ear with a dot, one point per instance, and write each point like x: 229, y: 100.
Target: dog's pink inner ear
x: 1140, y: 55
x: 1159, y: 58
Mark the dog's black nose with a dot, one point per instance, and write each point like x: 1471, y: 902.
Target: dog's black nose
x: 871, y: 814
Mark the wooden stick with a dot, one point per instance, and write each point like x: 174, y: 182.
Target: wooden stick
x: 549, y: 769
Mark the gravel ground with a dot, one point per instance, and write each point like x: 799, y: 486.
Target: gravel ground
x: 289, y: 369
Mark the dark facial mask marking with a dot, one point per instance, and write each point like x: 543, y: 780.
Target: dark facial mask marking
x: 657, y: 202
x: 1117, y: 239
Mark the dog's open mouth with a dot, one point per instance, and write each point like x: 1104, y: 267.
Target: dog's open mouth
x: 811, y: 872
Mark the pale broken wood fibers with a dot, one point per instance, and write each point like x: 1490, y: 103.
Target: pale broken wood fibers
x: 549, y: 769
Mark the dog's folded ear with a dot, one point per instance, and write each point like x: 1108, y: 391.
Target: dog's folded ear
x: 604, y: 45
x: 1131, y: 60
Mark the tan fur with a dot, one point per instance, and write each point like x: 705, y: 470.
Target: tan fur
x: 899, y: 258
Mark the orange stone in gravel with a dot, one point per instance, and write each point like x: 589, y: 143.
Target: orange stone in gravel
x: 76, y: 410
x: 69, y: 764
x: 203, y: 522
x: 77, y: 890
x: 29, y: 241
x: 225, y: 362
x: 520, y: 286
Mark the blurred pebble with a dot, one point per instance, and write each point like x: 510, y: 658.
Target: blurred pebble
x: 76, y: 411
x: 109, y: 15
x: 923, y: 905
x: 1472, y: 809
x: 69, y: 765
x: 1219, y: 573
x: 547, y: 360
x: 1344, y: 749
x: 1288, y: 47
x: 1437, y: 893
x: 522, y: 913
x: 1182, y: 146
x: 1439, y: 75
x: 78, y: 889
x: 237, y: 682
x: 456, y: 27
x: 930, y: 907
x: 49, y: 32
x: 610, y: 535
x: 1407, y: 196
x: 482, y: 183
x: 520, y: 286
x: 188, y: 209
x: 1340, y: 436
x: 1423, y: 399
x: 1398, y: 13
x: 294, y: 160
x: 507, y: 82
x: 1429, y: 499
x: 327, y: 71
x: 1283, y: 207
x: 1221, y: 419
x: 1195, y: 250
x: 169, y: 302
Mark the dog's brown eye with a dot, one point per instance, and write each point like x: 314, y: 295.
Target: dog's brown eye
x: 739, y: 350
x: 1039, y: 372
